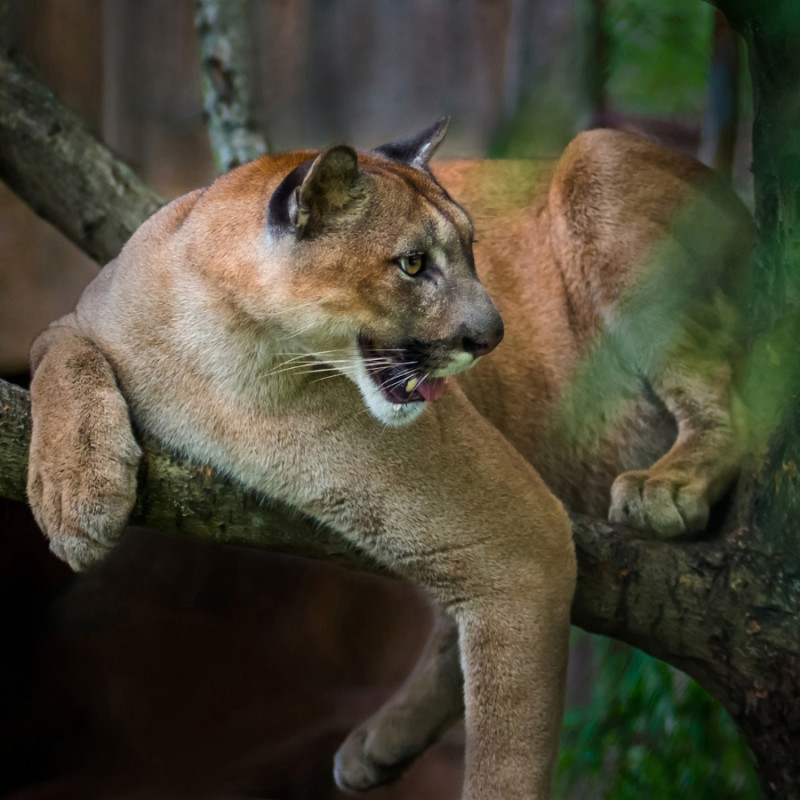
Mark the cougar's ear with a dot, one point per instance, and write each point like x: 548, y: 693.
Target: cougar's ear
x: 417, y: 150
x: 316, y: 190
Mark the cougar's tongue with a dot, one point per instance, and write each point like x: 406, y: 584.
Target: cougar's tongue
x: 431, y: 388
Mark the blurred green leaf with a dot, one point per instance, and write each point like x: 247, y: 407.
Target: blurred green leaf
x: 658, y: 55
x: 651, y: 731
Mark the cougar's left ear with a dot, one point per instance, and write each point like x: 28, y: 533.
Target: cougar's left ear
x: 316, y: 190
x: 417, y: 150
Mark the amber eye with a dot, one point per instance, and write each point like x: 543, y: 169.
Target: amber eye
x: 411, y: 263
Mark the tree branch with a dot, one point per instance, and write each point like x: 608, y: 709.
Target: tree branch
x: 223, y: 32
x: 52, y: 161
x: 652, y: 594
x: 180, y: 498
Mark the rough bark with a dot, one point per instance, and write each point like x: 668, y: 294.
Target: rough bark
x: 652, y: 594
x: 50, y: 158
x: 713, y: 608
x: 769, y: 708
x: 725, y: 609
x: 225, y: 47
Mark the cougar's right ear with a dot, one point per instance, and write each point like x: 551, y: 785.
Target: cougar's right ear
x: 315, y: 191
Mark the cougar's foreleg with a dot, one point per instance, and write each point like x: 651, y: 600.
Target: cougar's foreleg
x: 83, y: 457
x: 498, y: 559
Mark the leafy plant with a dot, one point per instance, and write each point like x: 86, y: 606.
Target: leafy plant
x: 658, y: 55
x: 650, y: 731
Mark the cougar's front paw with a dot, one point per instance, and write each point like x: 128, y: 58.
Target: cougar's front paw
x: 83, y: 510
x: 668, y: 503
x: 357, y: 768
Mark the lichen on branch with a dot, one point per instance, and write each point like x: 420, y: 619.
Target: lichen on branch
x: 51, y: 159
x: 223, y: 33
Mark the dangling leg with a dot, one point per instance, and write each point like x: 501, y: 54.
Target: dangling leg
x: 425, y: 706
x: 84, y: 457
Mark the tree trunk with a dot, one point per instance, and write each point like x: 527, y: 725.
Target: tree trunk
x: 765, y: 699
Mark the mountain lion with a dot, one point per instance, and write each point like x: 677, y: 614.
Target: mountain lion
x: 313, y: 325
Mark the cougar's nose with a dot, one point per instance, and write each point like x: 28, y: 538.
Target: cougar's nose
x: 480, y: 342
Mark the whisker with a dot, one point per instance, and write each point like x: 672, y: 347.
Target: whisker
x: 344, y: 367
x: 321, y: 357
x: 308, y: 326
x: 324, y: 361
x: 314, y: 366
x: 336, y: 374
x: 296, y: 356
x: 296, y: 364
x: 331, y: 365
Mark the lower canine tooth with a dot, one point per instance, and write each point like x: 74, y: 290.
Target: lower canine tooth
x: 411, y: 385
x: 397, y: 406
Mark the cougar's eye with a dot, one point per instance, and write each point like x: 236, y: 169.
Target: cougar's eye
x: 411, y: 263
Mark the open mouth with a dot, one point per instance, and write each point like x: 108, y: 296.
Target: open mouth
x: 397, y: 375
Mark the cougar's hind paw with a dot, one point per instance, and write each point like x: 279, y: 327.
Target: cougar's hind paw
x: 355, y: 769
x: 665, y: 503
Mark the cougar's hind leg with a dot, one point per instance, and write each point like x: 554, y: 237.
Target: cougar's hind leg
x: 428, y: 703
x: 696, y: 383
x: 83, y: 457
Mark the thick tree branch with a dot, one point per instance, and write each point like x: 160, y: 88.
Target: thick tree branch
x: 52, y: 161
x: 180, y: 498
x: 652, y: 594
x: 223, y: 32
x: 183, y: 499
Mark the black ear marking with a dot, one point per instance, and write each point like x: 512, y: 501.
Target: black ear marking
x: 315, y: 189
x: 278, y: 210
x: 416, y: 150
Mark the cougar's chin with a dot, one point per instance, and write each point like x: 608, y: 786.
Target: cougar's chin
x: 392, y: 414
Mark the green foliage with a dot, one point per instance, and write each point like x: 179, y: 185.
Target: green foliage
x: 658, y: 55
x: 650, y: 731
x: 648, y: 57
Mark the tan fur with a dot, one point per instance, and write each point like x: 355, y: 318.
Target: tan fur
x: 226, y: 308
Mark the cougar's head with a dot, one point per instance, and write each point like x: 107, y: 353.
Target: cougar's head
x: 377, y: 266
